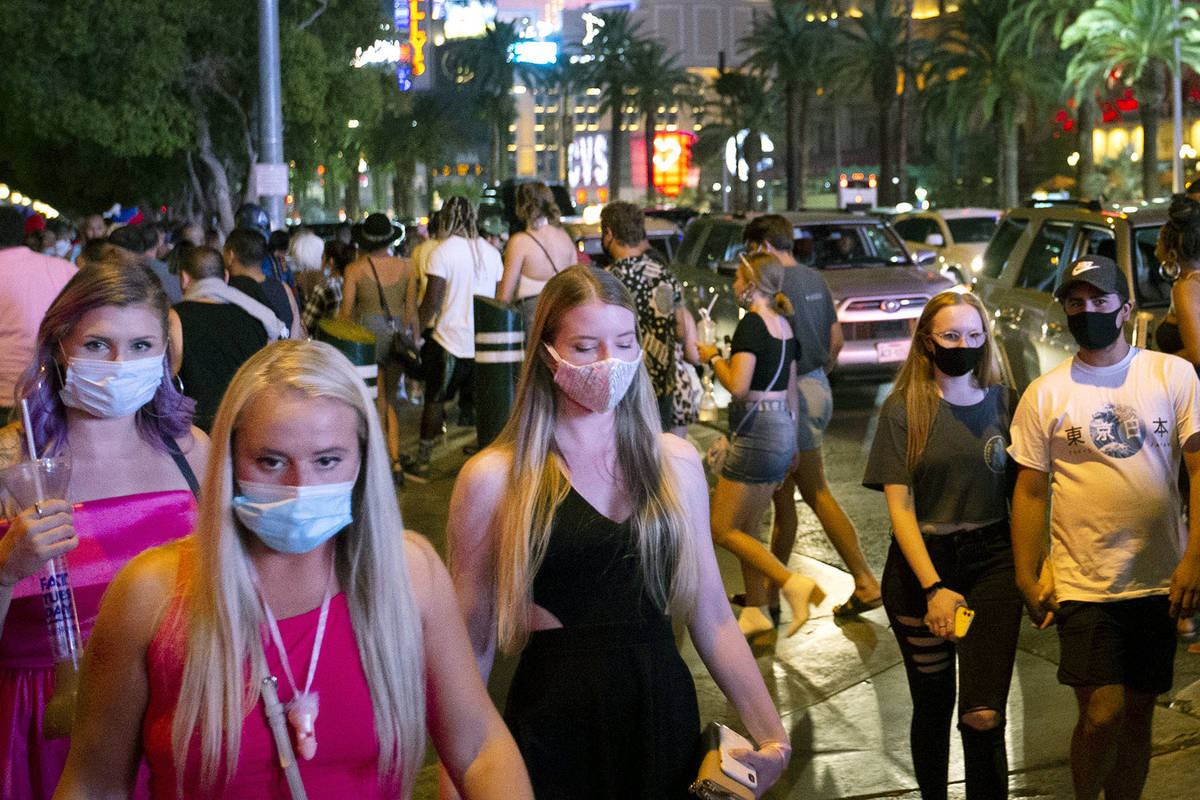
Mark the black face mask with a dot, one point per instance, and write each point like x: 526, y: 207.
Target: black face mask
x: 1094, y: 330
x: 955, y: 361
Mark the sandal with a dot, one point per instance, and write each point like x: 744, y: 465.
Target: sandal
x: 855, y: 605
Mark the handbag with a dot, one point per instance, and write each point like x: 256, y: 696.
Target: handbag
x: 712, y: 782
x: 718, y: 451
x: 401, y: 350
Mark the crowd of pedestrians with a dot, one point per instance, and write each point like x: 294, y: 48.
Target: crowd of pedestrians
x: 269, y: 566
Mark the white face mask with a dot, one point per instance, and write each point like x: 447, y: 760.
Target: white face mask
x: 111, y: 388
x: 294, y: 519
x: 62, y: 247
x: 598, y: 386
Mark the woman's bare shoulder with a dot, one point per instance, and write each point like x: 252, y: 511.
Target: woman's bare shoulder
x: 139, y: 594
x: 487, y: 471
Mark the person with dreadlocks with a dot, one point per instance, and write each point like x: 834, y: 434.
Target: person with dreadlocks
x: 463, y: 265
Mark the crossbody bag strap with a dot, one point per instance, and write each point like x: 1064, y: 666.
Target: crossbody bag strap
x: 379, y: 288
x: 775, y: 377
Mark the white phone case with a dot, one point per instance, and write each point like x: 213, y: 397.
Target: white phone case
x: 742, y: 773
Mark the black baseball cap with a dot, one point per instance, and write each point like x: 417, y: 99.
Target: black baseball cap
x: 1098, y: 271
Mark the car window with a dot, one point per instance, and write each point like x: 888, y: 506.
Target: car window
x: 971, y: 229
x: 1044, y: 257
x: 836, y: 246
x: 915, y: 229
x: 1152, y: 288
x: 720, y: 245
x: 693, y: 240
x: 1000, y: 247
x: 1097, y: 242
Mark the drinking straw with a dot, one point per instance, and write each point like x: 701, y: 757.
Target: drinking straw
x: 707, y: 311
x: 37, y: 477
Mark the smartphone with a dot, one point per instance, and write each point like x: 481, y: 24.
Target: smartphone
x: 962, y: 621
x: 742, y: 773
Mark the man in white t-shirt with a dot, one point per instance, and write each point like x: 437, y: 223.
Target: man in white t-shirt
x: 1103, y: 434
x: 462, y: 266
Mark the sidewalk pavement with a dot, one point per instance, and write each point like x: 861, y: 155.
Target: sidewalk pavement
x: 841, y: 690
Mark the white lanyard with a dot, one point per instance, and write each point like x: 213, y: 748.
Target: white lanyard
x: 302, y: 708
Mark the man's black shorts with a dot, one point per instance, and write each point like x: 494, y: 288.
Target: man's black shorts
x: 1130, y: 643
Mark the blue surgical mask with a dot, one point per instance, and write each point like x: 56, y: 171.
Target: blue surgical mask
x: 294, y: 519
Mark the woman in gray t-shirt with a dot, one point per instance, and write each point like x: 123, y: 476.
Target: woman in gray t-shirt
x: 939, y: 455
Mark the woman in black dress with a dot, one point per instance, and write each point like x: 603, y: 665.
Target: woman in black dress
x: 573, y: 539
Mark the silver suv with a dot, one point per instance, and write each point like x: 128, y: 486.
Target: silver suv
x: 878, y: 290
x: 1030, y: 247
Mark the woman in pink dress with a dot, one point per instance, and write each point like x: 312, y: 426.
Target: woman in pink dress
x: 99, y: 391
x: 299, y: 574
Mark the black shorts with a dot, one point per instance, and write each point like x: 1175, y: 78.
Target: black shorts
x: 445, y: 374
x: 1129, y: 643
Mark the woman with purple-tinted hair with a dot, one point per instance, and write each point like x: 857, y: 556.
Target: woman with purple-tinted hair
x: 99, y: 392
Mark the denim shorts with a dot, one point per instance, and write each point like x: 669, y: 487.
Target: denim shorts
x: 762, y: 448
x: 816, y: 409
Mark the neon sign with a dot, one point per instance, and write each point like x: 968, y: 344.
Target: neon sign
x: 587, y: 160
x: 417, y: 37
x: 671, y: 159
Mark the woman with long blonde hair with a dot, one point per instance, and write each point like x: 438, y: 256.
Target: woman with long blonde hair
x: 298, y: 569
x: 573, y: 539
x: 939, y: 456
x: 760, y: 374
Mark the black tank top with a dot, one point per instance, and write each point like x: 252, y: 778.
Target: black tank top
x: 591, y: 573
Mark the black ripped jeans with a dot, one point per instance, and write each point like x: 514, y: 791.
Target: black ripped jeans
x: 978, y: 564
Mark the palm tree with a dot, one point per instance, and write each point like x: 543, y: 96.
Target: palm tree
x: 1133, y: 41
x: 783, y: 43
x: 973, y: 79
x: 1043, y: 18
x: 610, y: 50
x: 483, y: 62
x: 872, y: 54
x: 741, y: 106
x: 656, y: 80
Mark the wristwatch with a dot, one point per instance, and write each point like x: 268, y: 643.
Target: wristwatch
x: 931, y: 588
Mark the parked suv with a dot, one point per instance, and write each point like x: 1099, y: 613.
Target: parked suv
x: 877, y: 288
x: 1021, y: 266
x: 958, y: 236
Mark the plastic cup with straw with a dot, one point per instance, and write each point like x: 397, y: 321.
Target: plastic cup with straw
x: 32, y: 482
x: 706, y: 329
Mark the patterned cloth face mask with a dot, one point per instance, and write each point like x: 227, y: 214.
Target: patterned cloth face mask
x: 598, y: 386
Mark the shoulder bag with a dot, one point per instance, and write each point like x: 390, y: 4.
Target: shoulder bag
x: 401, y: 350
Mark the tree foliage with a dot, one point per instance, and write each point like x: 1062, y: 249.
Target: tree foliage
x: 1132, y: 41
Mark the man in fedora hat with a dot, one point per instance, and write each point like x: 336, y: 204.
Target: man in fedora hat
x: 1099, y: 440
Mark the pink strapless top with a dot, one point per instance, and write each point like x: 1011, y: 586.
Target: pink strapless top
x: 347, y: 759
x: 111, y: 532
